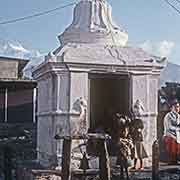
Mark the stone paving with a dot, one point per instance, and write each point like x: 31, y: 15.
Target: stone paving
x: 166, y: 173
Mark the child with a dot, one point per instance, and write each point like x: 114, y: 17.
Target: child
x: 137, y: 136
x: 124, y: 152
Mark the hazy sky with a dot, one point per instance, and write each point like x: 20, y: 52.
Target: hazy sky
x: 152, y: 25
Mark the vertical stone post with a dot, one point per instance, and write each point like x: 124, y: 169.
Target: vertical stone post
x: 155, y: 160
x: 6, y: 106
x: 104, y: 164
x: 66, y: 159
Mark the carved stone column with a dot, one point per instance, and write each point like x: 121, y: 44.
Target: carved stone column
x: 53, y: 113
x: 144, y: 89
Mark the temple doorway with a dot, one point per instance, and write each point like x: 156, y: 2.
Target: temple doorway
x: 108, y: 94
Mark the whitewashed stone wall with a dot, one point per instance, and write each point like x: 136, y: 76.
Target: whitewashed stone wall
x: 60, y: 111
x: 52, y: 114
x: 145, y: 88
x: 79, y: 89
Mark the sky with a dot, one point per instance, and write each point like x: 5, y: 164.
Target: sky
x: 152, y: 25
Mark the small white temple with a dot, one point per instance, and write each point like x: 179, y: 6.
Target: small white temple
x: 91, y: 74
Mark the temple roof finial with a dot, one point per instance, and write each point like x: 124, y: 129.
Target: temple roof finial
x: 92, y: 23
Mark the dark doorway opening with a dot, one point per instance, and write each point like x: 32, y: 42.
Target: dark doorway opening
x: 108, y: 94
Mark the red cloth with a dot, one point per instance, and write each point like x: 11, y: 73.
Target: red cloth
x: 172, y: 146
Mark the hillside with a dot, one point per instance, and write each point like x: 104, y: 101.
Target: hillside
x: 170, y: 74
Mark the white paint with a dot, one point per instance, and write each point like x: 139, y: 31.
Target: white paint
x: 92, y: 23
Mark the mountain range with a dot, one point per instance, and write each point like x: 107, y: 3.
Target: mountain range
x: 171, y: 73
x: 15, y: 49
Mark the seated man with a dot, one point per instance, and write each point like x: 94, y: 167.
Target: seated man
x: 172, y: 132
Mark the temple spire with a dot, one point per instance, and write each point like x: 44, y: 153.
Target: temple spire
x: 92, y: 23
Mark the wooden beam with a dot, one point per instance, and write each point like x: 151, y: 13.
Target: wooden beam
x: 6, y: 106
x: 155, y: 160
x: 104, y: 162
x: 66, y: 159
x: 7, y: 154
x: 89, y: 172
x: 34, y: 104
x: 86, y: 136
x: 49, y: 171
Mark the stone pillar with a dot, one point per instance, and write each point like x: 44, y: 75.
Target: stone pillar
x: 44, y: 120
x: 78, y: 108
x: 62, y: 108
x: 78, y: 103
x: 145, y: 89
x: 53, y: 113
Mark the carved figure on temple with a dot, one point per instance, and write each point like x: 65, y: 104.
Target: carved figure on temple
x: 138, y: 108
x: 50, y: 57
x: 80, y: 106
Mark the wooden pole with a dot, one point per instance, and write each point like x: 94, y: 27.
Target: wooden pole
x: 104, y: 163
x: 66, y: 159
x: 155, y: 160
x: 34, y: 104
x: 7, y: 163
x: 6, y: 106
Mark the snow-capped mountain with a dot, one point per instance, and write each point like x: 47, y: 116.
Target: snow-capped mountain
x: 17, y: 50
x: 171, y: 73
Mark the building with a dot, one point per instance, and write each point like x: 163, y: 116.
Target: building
x: 90, y: 75
x: 17, y: 95
x: 17, y: 114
